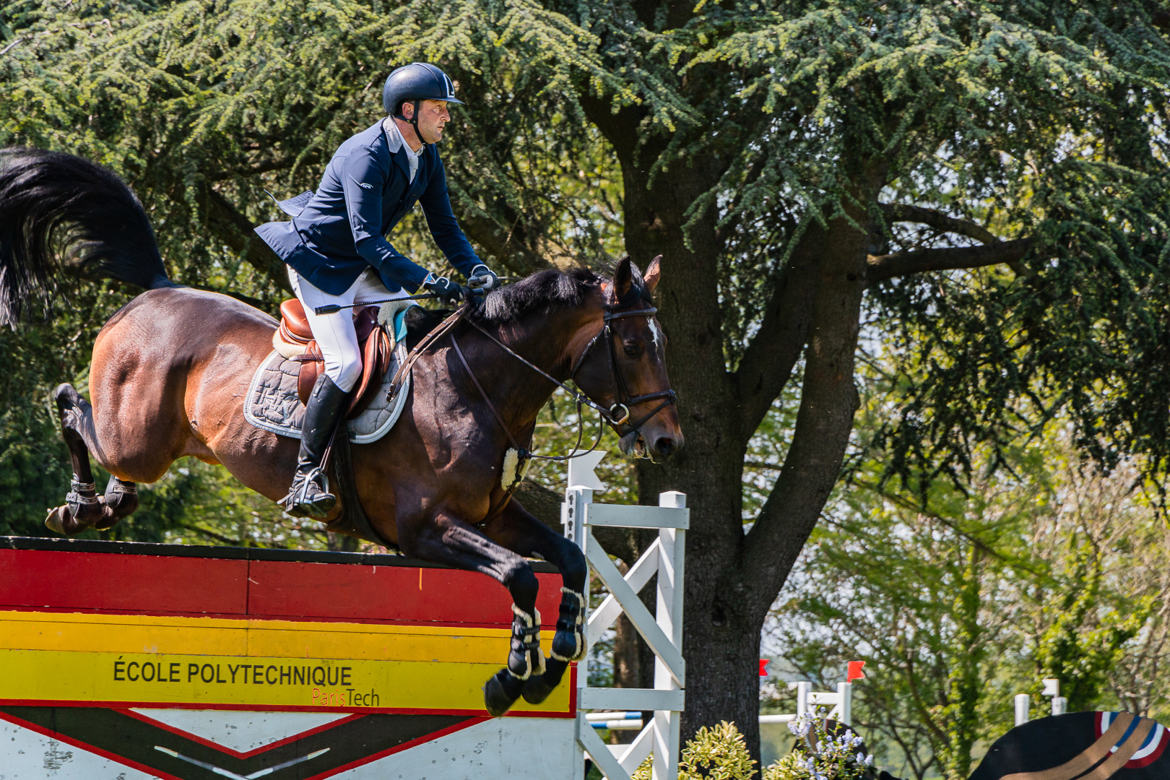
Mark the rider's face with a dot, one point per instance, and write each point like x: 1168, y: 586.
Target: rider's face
x: 432, y: 117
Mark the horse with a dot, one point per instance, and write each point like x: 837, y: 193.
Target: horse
x: 1080, y: 745
x: 170, y: 371
x: 1087, y: 745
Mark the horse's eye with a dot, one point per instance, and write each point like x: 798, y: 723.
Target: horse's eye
x: 632, y: 349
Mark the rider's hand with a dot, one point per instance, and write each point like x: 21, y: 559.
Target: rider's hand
x: 445, y: 289
x: 482, y: 279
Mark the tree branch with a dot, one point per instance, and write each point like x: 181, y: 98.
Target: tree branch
x: 901, y: 212
x: 235, y: 230
x: 882, y: 267
x: 769, y: 359
x: 825, y: 418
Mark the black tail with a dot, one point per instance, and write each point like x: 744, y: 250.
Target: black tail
x: 62, y: 214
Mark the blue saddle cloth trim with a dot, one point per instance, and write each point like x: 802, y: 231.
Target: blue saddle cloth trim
x: 400, y: 323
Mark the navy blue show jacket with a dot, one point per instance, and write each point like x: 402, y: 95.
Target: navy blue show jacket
x: 366, y: 191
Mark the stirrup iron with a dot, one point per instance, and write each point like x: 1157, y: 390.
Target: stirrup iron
x: 309, y: 495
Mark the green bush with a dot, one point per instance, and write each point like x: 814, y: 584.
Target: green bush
x: 715, y: 753
x: 823, y: 751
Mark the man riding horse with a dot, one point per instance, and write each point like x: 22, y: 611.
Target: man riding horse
x: 337, y: 253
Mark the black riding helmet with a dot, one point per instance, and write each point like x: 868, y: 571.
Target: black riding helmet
x: 413, y: 83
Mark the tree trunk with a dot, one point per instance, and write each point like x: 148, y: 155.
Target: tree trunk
x: 731, y: 579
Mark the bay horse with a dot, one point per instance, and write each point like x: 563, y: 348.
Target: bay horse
x: 1073, y: 746
x: 171, y: 369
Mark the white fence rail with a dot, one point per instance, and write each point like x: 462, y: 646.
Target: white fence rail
x: 840, y: 703
x: 661, y: 630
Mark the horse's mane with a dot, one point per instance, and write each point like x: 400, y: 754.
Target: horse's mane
x: 540, y: 292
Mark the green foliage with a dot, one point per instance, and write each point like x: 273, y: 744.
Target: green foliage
x: 1084, y: 639
x: 716, y: 752
x: 34, y: 472
x: 964, y: 596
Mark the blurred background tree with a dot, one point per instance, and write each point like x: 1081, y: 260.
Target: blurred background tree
x: 976, y: 189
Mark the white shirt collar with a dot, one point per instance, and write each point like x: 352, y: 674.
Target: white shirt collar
x: 395, y: 141
x: 394, y: 136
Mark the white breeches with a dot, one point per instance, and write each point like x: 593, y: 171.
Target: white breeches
x: 334, y: 332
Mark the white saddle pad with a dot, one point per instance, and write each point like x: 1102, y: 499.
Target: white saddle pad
x: 272, y: 403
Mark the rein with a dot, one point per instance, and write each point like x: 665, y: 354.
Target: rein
x: 522, y: 451
x: 423, y: 345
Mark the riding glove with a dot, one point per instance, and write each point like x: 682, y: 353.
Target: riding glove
x: 482, y: 279
x: 445, y: 289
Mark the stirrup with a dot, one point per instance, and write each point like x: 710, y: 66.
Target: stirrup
x: 309, y: 495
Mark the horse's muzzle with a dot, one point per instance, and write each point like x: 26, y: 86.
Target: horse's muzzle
x: 656, y: 445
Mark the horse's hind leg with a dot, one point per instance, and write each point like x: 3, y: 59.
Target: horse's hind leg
x: 83, y: 508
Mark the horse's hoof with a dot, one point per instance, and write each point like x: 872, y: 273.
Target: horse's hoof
x: 537, y: 689
x: 108, y: 520
x: 500, y: 692
x: 55, y: 522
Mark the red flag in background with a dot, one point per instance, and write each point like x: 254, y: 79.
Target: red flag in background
x: 763, y: 667
x: 854, y: 672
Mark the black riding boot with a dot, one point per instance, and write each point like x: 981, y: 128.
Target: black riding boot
x: 309, y: 495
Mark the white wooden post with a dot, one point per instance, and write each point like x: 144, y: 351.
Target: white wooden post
x: 662, y: 631
x: 669, y: 613
x: 845, y: 703
x: 1052, y: 689
x: 1022, y: 704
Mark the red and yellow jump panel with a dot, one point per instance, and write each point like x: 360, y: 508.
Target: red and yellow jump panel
x: 127, y: 625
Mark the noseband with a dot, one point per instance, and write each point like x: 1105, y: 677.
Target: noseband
x: 619, y: 413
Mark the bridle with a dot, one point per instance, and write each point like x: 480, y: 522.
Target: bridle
x: 625, y: 400
x: 616, y: 415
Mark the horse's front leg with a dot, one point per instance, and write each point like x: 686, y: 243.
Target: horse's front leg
x: 452, y: 541
x: 522, y: 533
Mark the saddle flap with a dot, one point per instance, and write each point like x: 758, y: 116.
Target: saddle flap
x: 294, y: 323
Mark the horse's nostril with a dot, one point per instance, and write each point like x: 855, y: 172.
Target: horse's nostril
x: 664, y: 446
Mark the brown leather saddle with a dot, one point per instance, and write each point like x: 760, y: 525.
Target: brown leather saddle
x: 295, y: 341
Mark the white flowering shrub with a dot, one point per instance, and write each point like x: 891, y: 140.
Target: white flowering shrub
x: 823, y: 751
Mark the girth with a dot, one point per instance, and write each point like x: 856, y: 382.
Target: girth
x: 294, y: 339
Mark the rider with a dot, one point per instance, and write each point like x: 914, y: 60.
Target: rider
x: 337, y: 251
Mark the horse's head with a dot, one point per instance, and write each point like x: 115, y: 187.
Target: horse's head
x: 623, y: 367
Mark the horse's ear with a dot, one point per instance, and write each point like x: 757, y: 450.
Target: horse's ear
x: 653, y: 274
x: 623, y: 279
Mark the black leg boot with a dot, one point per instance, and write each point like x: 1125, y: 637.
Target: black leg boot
x: 309, y: 495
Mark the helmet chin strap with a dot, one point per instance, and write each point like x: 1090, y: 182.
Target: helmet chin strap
x: 414, y: 123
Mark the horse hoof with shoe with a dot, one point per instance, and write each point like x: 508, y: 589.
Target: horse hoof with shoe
x: 433, y: 486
